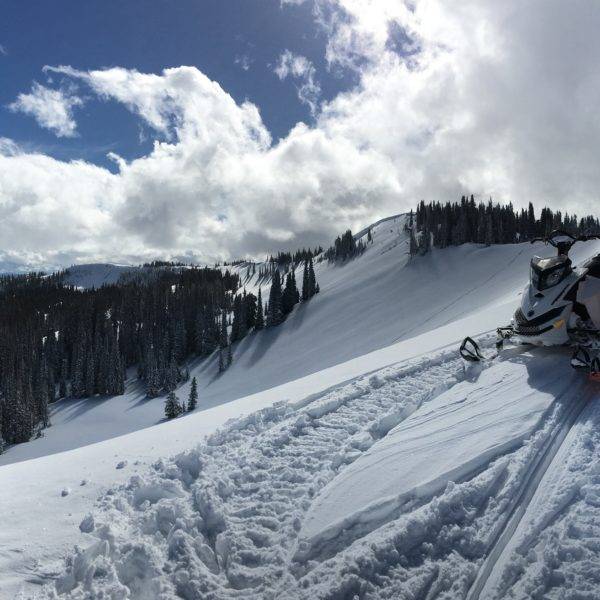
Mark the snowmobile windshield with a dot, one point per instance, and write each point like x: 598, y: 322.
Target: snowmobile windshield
x: 548, y: 272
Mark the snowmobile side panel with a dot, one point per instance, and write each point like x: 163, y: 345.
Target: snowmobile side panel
x: 588, y: 294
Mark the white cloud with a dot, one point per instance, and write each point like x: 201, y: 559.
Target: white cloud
x: 302, y: 69
x: 243, y: 61
x: 3, y: 50
x: 487, y: 102
x: 52, y: 109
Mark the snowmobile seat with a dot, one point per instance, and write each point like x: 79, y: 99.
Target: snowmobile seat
x: 593, y: 266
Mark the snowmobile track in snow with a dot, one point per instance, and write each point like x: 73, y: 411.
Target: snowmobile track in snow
x: 531, y: 481
x: 255, y: 481
x: 223, y: 521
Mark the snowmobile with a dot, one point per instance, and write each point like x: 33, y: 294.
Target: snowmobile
x: 560, y: 306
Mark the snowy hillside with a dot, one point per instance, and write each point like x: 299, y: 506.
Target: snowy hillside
x: 369, y: 303
x: 96, y: 275
x: 362, y: 460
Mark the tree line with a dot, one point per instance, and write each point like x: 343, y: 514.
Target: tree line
x: 58, y: 341
x: 455, y: 223
x: 345, y: 247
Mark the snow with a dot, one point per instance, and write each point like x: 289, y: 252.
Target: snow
x: 97, y: 274
x: 555, y: 546
x: 361, y: 385
x: 228, y: 519
x: 458, y: 433
x: 365, y: 305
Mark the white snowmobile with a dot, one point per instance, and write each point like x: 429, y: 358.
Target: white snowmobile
x: 560, y: 306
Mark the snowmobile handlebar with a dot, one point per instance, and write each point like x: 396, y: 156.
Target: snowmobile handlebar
x: 563, y: 245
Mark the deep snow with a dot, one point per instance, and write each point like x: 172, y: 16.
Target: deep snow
x: 230, y: 519
x: 363, y: 361
x: 453, y: 437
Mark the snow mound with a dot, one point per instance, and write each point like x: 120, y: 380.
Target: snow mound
x: 226, y: 519
x: 216, y: 520
x: 447, y: 440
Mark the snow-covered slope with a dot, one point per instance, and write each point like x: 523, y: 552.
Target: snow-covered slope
x: 229, y: 519
x: 96, y: 275
x: 365, y: 364
x: 369, y: 303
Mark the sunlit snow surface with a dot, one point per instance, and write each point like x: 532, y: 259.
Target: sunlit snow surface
x: 375, y: 466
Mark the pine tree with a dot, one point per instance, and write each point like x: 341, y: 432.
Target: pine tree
x: 413, y: 247
x: 221, y: 361
x: 260, y: 320
x: 237, y: 317
x: 229, y: 356
x: 531, y: 223
x: 172, y: 406
x: 193, y: 397
x: 223, y: 337
x: 153, y: 386
x: 173, y: 376
x: 290, y: 294
x: 305, y: 283
x: 309, y: 281
x: 78, y: 369
x: 275, y: 314
x: 489, y: 229
x: 312, y: 280
x: 62, y: 385
x: 250, y: 311
x: 425, y: 241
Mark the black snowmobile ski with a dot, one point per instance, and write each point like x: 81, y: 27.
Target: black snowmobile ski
x: 471, y: 352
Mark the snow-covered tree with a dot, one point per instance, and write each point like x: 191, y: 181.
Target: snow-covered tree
x: 173, y: 407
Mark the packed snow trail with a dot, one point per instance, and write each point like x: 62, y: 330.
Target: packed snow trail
x: 554, y: 551
x: 435, y: 549
x: 449, y: 439
x: 225, y: 520
x: 483, y: 584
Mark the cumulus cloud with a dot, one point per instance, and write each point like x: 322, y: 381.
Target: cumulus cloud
x: 243, y: 61
x: 301, y: 69
x: 478, y: 97
x: 52, y: 109
x: 218, y: 187
x: 181, y: 103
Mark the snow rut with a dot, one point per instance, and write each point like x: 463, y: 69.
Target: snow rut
x: 481, y: 587
x: 438, y: 550
x: 222, y: 521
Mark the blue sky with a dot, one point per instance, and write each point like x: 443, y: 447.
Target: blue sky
x: 149, y: 35
x: 153, y: 141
